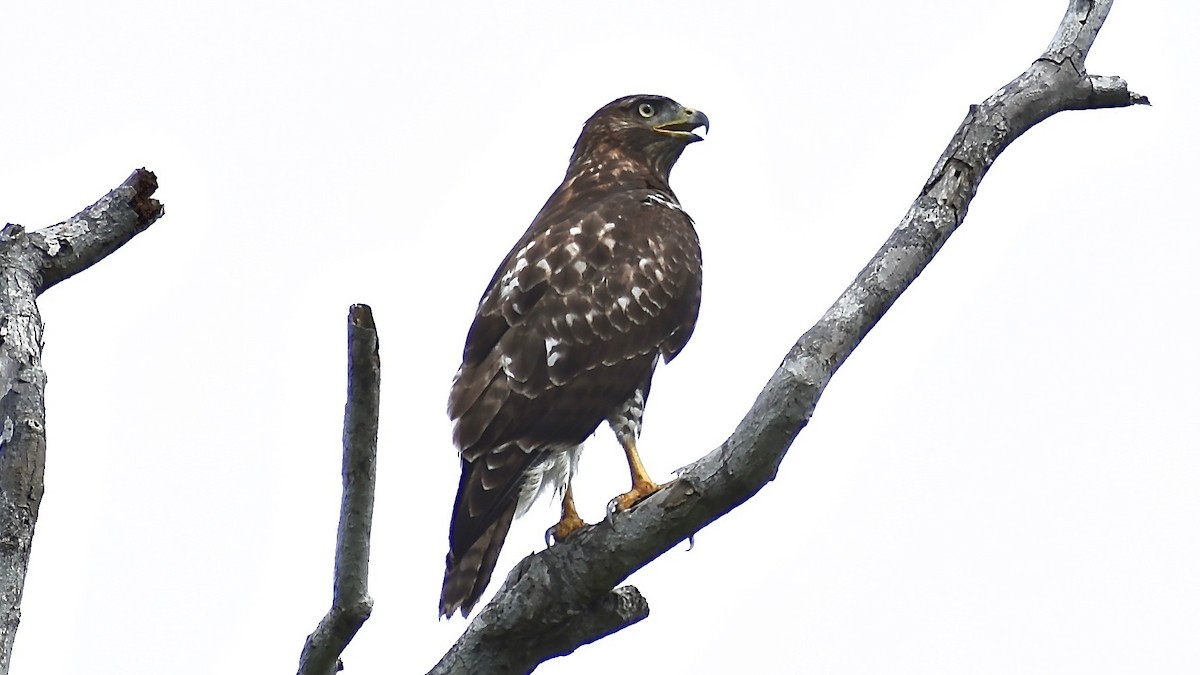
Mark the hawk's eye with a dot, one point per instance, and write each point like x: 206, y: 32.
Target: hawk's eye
x: 646, y: 110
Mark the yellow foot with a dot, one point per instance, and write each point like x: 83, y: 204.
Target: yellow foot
x: 569, y: 525
x: 640, y: 491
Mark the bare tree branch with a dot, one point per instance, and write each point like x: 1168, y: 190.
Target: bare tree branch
x: 560, y: 598
x: 31, y: 262
x: 351, y: 604
x: 536, y: 639
x: 81, y: 241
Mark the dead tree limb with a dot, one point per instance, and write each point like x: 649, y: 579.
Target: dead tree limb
x: 351, y: 604
x: 563, y: 597
x: 30, y: 263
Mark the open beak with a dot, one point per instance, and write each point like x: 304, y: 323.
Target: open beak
x: 681, y: 128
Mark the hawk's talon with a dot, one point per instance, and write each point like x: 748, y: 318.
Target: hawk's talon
x: 610, y: 511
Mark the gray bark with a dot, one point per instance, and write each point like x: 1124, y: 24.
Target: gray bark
x: 563, y: 597
x: 30, y: 263
x: 351, y: 604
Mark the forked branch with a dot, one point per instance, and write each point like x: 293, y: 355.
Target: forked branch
x: 30, y: 263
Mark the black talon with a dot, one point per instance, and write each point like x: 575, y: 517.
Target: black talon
x: 611, y: 516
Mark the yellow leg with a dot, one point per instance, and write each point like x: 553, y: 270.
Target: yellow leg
x: 570, y: 523
x: 642, y: 485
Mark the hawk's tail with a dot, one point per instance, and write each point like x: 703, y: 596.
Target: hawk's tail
x: 467, y: 578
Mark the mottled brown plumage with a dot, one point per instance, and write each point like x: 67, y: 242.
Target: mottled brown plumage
x: 603, y: 283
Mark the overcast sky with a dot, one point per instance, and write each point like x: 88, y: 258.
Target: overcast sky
x: 1004, y: 478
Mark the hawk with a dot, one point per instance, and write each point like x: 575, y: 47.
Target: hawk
x: 604, y: 283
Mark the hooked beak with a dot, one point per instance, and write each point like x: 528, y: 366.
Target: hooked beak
x: 682, y: 127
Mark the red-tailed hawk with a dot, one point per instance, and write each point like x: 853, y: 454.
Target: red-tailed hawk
x: 603, y: 283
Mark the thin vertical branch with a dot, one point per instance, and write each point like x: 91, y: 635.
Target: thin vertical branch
x: 351, y: 603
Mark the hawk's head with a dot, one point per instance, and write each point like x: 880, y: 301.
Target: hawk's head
x: 649, y: 131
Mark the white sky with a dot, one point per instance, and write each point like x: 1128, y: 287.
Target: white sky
x: 1004, y: 478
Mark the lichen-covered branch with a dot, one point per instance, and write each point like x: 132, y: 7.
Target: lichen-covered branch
x: 84, y: 239
x: 31, y: 262
x: 552, y: 593
x: 351, y: 604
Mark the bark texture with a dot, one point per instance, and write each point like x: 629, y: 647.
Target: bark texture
x: 30, y: 263
x: 563, y: 597
x: 351, y: 604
